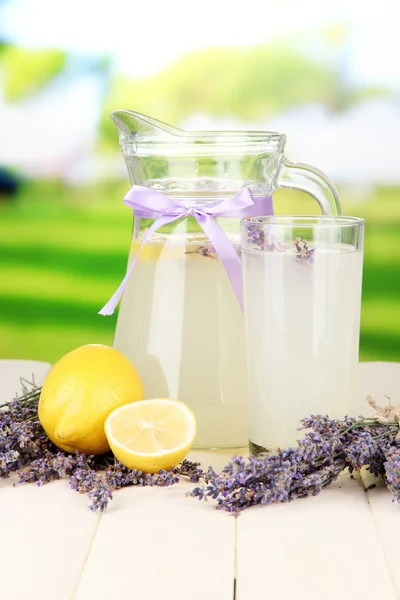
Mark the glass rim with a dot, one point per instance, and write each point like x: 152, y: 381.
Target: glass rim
x: 217, y: 138
x: 304, y: 221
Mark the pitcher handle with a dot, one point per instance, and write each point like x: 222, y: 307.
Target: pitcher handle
x: 299, y: 176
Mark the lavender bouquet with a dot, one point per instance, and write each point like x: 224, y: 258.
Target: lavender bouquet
x: 328, y: 447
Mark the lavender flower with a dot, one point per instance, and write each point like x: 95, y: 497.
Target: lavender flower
x: 8, y: 461
x: 192, y: 470
x: 263, y: 238
x: 328, y: 447
x: 304, y: 253
x: 100, y: 495
x: 48, y: 468
x: 207, y: 250
x: 392, y: 471
x: 83, y: 480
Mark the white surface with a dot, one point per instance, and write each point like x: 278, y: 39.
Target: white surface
x: 317, y: 548
x: 157, y: 544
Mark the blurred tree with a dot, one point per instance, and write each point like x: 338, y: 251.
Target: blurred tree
x: 332, y: 46
x: 247, y: 83
x: 27, y: 71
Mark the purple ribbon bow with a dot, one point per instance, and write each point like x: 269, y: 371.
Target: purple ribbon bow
x: 153, y: 204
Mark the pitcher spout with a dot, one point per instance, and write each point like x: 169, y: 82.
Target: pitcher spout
x: 136, y: 126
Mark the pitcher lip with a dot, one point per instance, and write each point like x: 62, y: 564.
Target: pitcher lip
x: 240, y: 135
x: 304, y: 220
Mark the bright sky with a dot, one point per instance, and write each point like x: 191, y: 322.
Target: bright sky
x: 144, y: 36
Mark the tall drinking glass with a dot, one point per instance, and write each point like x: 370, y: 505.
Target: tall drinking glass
x: 302, y: 299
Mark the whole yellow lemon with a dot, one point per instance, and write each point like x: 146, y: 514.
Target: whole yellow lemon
x: 79, y: 393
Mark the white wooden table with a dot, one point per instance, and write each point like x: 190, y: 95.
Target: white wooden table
x: 156, y: 544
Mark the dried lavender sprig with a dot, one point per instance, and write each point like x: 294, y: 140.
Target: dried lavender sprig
x: 30, y: 396
x: 207, y: 250
x: 329, y: 447
x: 100, y: 495
x: 303, y: 252
x: 26, y: 449
x: 263, y: 238
x: 392, y: 471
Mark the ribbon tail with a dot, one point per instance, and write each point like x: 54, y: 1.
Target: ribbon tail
x: 226, y: 252
x: 111, y: 305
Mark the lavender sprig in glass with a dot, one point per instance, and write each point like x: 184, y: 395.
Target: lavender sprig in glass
x: 266, y: 239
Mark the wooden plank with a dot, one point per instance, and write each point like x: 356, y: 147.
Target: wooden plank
x: 156, y: 543
x: 380, y: 380
x: 323, y: 547
x: 46, y: 532
x: 386, y: 517
x: 46, y: 536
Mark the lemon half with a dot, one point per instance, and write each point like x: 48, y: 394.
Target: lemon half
x: 151, y: 435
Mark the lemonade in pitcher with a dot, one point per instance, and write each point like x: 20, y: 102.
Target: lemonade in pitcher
x: 183, y: 328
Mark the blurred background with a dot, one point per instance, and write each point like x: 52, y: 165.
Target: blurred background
x: 328, y: 78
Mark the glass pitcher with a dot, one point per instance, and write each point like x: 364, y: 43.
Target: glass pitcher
x: 180, y: 319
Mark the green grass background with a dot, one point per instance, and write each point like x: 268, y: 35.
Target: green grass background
x: 64, y: 252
